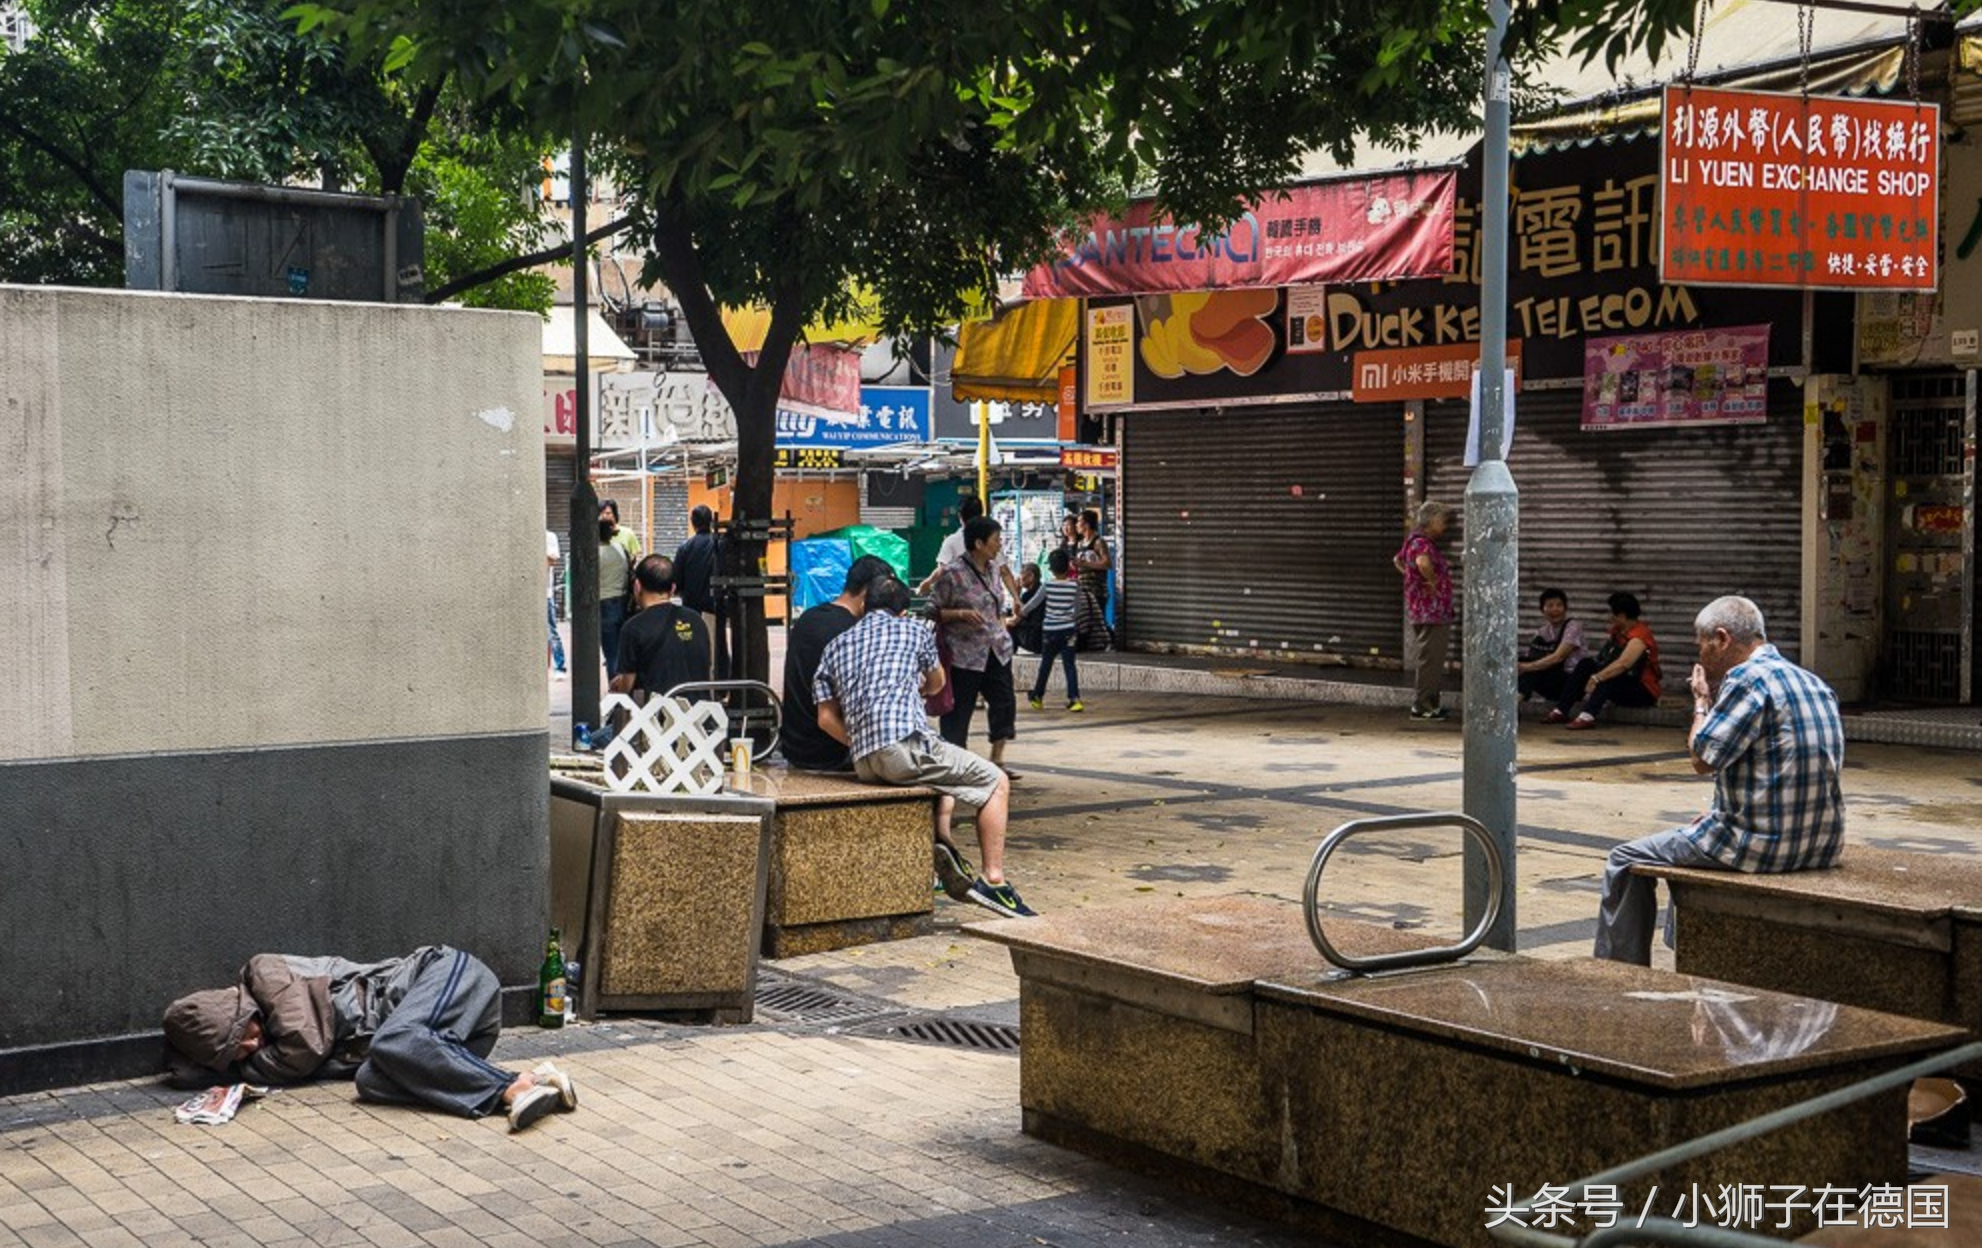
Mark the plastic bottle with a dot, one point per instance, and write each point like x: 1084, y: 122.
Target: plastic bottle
x: 550, y: 984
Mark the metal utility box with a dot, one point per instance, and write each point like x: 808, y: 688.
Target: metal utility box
x: 207, y: 237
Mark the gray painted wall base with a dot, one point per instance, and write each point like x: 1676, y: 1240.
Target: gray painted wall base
x: 138, y: 878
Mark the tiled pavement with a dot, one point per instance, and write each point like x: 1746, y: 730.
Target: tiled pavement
x: 776, y: 1135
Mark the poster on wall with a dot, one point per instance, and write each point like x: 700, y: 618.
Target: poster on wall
x: 1814, y: 192
x: 1695, y: 377
x: 1110, y: 356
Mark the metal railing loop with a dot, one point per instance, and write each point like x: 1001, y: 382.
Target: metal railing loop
x: 1311, y: 893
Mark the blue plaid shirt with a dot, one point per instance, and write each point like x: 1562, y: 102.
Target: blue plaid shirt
x: 874, y: 671
x: 1776, y: 745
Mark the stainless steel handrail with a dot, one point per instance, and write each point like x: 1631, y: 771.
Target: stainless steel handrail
x: 1311, y: 894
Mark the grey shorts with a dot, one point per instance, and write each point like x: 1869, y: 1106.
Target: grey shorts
x: 932, y: 763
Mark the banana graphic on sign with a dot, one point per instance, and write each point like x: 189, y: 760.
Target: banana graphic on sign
x: 1202, y: 331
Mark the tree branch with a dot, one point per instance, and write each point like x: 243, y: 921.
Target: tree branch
x: 468, y: 281
x: 674, y: 248
x: 111, y: 203
x: 393, y: 180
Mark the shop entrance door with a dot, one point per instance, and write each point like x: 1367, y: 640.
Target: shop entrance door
x: 1930, y: 627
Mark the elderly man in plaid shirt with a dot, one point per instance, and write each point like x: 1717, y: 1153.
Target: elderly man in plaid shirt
x: 870, y: 689
x: 1770, y: 733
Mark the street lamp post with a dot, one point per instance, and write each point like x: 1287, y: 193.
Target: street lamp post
x: 1492, y: 529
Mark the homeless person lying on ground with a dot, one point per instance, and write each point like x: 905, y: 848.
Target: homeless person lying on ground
x: 415, y: 1030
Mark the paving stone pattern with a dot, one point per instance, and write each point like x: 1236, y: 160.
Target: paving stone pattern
x: 790, y: 1132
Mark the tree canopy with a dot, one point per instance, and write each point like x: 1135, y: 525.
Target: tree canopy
x: 231, y: 89
x: 787, y: 154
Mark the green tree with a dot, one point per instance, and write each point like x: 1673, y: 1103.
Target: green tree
x: 787, y: 154
x: 230, y: 89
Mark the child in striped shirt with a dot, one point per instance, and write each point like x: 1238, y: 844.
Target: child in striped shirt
x: 1058, y: 599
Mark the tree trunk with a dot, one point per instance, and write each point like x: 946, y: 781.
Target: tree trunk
x: 756, y: 437
x: 752, y: 391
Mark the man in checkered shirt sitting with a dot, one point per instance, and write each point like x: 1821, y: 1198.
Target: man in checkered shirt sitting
x: 1770, y: 733
x: 870, y: 689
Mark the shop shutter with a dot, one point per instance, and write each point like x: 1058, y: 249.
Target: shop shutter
x: 1268, y: 529
x: 1676, y: 516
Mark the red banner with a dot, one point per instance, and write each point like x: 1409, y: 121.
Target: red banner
x: 1364, y: 229
x: 819, y: 380
x: 1822, y: 192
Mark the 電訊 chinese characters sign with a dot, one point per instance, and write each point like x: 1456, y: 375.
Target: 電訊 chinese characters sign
x: 1110, y: 355
x: 1361, y: 229
x: 1694, y: 377
x: 1820, y: 192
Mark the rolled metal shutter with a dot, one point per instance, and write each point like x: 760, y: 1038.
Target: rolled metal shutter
x: 558, y: 472
x: 1676, y: 516
x: 1267, y: 530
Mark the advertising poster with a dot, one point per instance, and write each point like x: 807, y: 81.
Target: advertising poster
x: 1367, y: 228
x: 1110, y: 355
x: 1818, y: 192
x: 1696, y: 377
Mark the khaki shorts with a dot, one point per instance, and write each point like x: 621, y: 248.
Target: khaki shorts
x: 935, y: 764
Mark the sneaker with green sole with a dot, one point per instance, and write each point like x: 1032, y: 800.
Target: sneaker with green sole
x: 953, y: 873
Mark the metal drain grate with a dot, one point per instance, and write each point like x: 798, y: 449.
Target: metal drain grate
x: 951, y: 1033
x: 792, y: 1002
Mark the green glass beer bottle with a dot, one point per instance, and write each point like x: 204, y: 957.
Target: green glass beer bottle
x: 550, y: 984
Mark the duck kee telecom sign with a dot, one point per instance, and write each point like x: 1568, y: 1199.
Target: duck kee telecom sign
x: 1823, y: 192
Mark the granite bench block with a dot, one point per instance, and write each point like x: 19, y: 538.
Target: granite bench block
x: 1208, y: 1041
x: 680, y: 910
x: 850, y: 862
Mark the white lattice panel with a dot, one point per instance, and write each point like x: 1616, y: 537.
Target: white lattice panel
x: 666, y: 746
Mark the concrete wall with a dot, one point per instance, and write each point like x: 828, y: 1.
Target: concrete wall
x: 272, y: 585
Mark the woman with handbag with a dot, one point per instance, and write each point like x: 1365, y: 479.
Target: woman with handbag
x: 1553, y: 653
x: 964, y: 602
x: 1092, y: 562
x: 1626, y: 671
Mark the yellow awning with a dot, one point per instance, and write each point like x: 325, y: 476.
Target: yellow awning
x: 748, y: 326
x: 1016, y: 357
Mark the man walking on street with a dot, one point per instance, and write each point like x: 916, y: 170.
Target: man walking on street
x: 1769, y: 732
x: 696, y: 565
x: 870, y: 691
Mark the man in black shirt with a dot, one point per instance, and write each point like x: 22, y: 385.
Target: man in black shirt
x: 804, y: 743
x: 665, y: 644
x: 695, y: 565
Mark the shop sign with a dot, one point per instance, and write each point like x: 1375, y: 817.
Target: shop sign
x: 1582, y: 262
x: 1355, y: 229
x: 1087, y: 459
x: 1110, y: 356
x: 1424, y: 372
x: 1818, y: 192
x: 809, y: 457
x: 1012, y: 424
x: 888, y: 416
x: 1069, y: 413
x: 1703, y: 377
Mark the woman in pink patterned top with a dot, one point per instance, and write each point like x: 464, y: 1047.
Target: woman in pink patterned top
x: 1427, y: 608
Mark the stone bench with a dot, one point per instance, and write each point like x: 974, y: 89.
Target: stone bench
x: 850, y: 863
x: 1207, y: 1040
x: 1883, y: 930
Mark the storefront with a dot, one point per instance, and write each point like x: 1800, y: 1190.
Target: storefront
x: 1263, y: 500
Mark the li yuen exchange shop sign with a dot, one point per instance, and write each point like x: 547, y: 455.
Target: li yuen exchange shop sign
x: 1820, y: 192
